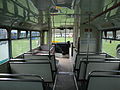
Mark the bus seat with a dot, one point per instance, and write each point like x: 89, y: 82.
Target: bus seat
x: 43, y: 57
x: 103, y: 82
x: 31, y: 56
x: 79, y: 57
x: 40, y: 68
x: 88, y: 66
x: 4, y: 67
x: 20, y: 84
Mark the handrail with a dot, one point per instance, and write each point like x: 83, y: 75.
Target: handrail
x: 100, y: 14
x: 30, y: 75
x: 114, y: 71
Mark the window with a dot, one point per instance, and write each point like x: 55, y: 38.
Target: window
x: 3, y: 33
x: 28, y: 33
x: 118, y: 34
x: 60, y: 35
x: 35, y: 42
x: 109, y: 34
x: 110, y: 47
x: 22, y: 34
x: 35, y: 33
x: 4, y: 55
x: 14, y: 34
x: 35, y: 39
x: 3, y: 51
x: 20, y: 46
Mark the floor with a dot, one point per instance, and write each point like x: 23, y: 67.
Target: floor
x: 65, y: 77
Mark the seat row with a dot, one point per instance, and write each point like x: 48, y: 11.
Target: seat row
x: 103, y: 80
x: 32, y: 69
x: 101, y: 67
x: 29, y: 82
x: 79, y: 57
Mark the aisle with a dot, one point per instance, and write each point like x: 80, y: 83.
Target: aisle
x: 65, y: 82
x: 65, y: 63
x: 65, y: 77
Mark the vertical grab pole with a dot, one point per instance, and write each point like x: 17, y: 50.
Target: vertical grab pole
x: 77, y: 36
x: 30, y: 41
x: 88, y: 36
x: 65, y: 34
x: 49, y: 30
x: 9, y: 39
x: 9, y: 43
x: 88, y: 41
x: 65, y: 29
x: 54, y: 28
x: 65, y: 26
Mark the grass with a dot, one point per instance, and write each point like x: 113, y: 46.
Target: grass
x: 110, y: 48
x: 22, y: 46
x: 62, y: 39
x: 19, y: 47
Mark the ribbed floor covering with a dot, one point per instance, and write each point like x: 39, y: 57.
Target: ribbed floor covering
x: 65, y: 77
x: 65, y: 82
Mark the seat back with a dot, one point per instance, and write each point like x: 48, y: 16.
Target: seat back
x: 88, y: 66
x: 104, y: 82
x: 31, y: 56
x: 4, y: 67
x: 44, y: 69
x: 51, y: 58
x: 79, y: 57
x: 21, y: 84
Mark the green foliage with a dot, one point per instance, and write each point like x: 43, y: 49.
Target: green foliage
x: 62, y: 39
x: 110, y: 48
x: 62, y: 20
x: 19, y: 47
x: 22, y: 46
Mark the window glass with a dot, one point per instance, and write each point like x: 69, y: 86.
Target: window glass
x: 4, y: 55
x: 28, y: 35
x: 3, y: 33
x: 111, y: 47
x: 22, y: 34
x: 103, y: 35
x: 14, y: 34
x: 35, y: 42
x: 109, y: 34
x: 35, y: 33
x: 20, y: 46
x: 118, y: 34
x: 60, y: 35
x: 3, y: 51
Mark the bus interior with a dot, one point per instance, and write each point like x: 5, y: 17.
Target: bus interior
x: 59, y: 45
